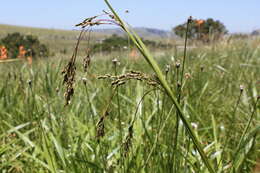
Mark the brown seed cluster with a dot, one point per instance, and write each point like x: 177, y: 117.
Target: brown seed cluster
x: 100, y: 127
x: 95, y: 20
x: 69, y: 71
x: 132, y: 75
x: 128, y: 141
x: 86, y: 62
x: 68, y: 80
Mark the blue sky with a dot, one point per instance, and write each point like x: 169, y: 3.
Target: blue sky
x: 237, y: 15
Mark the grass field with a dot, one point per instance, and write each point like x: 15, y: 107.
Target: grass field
x: 173, y: 110
x: 63, y: 41
x: 59, y: 41
x: 132, y: 127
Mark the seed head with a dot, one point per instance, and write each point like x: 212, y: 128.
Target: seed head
x: 194, y: 125
x: 242, y: 88
x: 29, y: 83
x: 167, y: 68
x: 100, y: 128
x: 187, y: 75
x: 190, y: 19
x: 128, y: 141
x: 115, y: 61
x: 86, y: 62
x: 178, y: 64
x: 84, y: 80
x: 201, y: 68
x: 179, y: 84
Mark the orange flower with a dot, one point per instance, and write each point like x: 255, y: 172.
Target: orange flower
x: 3, y: 52
x: 200, y: 22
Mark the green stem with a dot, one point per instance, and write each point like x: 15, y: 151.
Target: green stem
x: 179, y: 91
x: 151, y: 61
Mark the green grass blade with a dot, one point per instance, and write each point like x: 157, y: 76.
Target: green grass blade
x: 142, y: 48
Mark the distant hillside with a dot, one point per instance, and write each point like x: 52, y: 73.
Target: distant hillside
x: 54, y: 34
x: 43, y: 33
x: 64, y: 40
x: 57, y: 40
x: 256, y: 32
x: 147, y: 33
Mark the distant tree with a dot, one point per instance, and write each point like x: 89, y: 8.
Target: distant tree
x: 255, y: 32
x: 202, y: 29
x: 115, y: 43
x: 31, y: 44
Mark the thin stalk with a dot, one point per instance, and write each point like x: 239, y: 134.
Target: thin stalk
x: 177, y: 126
x: 235, y: 110
x: 119, y: 113
x: 118, y: 107
x: 89, y: 103
x: 246, y: 129
x: 185, y: 50
x: 179, y: 90
x: 231, y: 126
x: 45, y: 137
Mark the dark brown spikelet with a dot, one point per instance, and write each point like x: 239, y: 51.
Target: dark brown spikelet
x: 100, y: 128
x: 128, y: 141
x: 68, y: 80
x: 87, y: 21
x: 86, y: 62
x: 132, y: 75
x: 69, y: 73
x: 100, y: 132
x: 190, y: 19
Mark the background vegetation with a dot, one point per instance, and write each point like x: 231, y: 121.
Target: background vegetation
x: 31, y: 45
x: 119, y: 43
x: 39, y: 134
x: 204, y: 30
x: 191, y: 110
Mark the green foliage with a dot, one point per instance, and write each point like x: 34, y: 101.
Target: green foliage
x: 206, y: 30
x: 31, y: 44
x: 39, y: 134
x: 117, y: 43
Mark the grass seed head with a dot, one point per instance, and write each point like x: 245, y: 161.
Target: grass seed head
x: 115, y: 61
x: 86, y: 62
x: 128, y: 141
x: 84, y: 80
x: 241, y: 88
x: 187, y: 75
x: 29, y: 83
x: 167, y: 68
x: 201, y: 68
x: 177, y: 64
x: 68, y: 79
x: 101, y: 127
x: 190, y: 19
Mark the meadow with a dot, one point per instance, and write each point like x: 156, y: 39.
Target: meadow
x: 117, y: 113
x: 221, y: 86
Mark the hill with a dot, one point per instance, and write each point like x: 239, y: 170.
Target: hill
x: 256, y: 32
x: 64, y: 40
x: 58, y: 40
x: 147, y: 33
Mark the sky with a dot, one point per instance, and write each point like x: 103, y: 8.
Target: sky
x: 237, y: 15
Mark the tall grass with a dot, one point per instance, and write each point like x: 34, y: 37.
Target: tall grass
x: 218, y: 132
